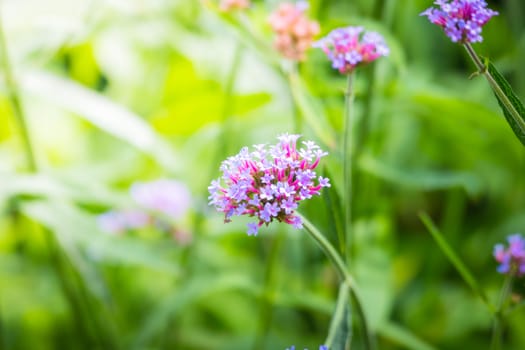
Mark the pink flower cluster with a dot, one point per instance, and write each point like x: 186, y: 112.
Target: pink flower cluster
x: 512, y: 259
x: 350, y: 47
x: 269, y: 182
x: 230, y: 5
x: 462, y: 20
x: 294, y: 32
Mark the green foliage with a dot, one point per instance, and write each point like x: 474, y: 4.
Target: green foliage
x: 510, y: 103
x: 125, y: 91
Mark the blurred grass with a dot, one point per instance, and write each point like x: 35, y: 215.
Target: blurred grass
x: 133, y: 90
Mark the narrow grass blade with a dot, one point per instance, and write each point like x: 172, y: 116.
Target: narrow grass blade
x: 455, y: 260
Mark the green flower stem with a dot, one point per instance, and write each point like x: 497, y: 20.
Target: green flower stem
x: 482, y: 69
x: 307, y: 111
x: 345, y: 276
x: 497, y: 328
x: 291, y: 72
x: 347, y: 166
x: 228, y: 103
x: 14, y: 99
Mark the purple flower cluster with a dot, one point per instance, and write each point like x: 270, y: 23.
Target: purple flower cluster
x: 119, y: 221
x: 321, y: 347
x: 462, y: 20
x: 169, y: 197
x: 512, y: 259
x: 350, y: 47
x: 156, y: 203
x: 269, y: 182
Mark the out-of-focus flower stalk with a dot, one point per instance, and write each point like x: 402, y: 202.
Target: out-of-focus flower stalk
x: 16, y: 104
x: 348, y: 163
x: 497, y: 327
x: 228, y: 101
x: 349, y: 48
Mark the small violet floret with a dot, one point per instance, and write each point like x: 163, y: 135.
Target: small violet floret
x: 462, y: 20
x: 350, y: 47
x: 511, y: 259
x: 269, y: 182
x: 321, y: 347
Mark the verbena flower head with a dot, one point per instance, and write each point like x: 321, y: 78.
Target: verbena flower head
x: 269, y: 182
x: 512, y: 258
x: 462, y: 20
x: 350, y: 47
x: 294, y: 31
x: 169, y: 197
x: 321, y: 347
x: 156, y: 204
x: 231, y: 5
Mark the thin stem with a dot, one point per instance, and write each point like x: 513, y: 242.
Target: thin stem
x: 347, y: 166
x: 497, y: 327
x: 345, y: 276
x: 290, y: 70
x: 307, y: 110
x: 14, y: 99
x: 495, y: 87
x: 330, y: 251
x: 229, y: 96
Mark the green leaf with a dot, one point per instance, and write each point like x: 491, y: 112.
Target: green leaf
x: 455, y: 260
x: 340, y: 332
x: 45, y: 186
x: 100, y: 111
x: 510, y: 103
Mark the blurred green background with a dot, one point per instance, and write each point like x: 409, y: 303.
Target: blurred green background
x: 121, y: 91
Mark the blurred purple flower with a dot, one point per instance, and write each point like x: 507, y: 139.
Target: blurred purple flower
x: 350, y: 47
x: 169, y: 197
x: 462, y: 20
x: 269, y: 182
x: 511, y: 259
x: 321, y: 347
x: 116, y: 222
